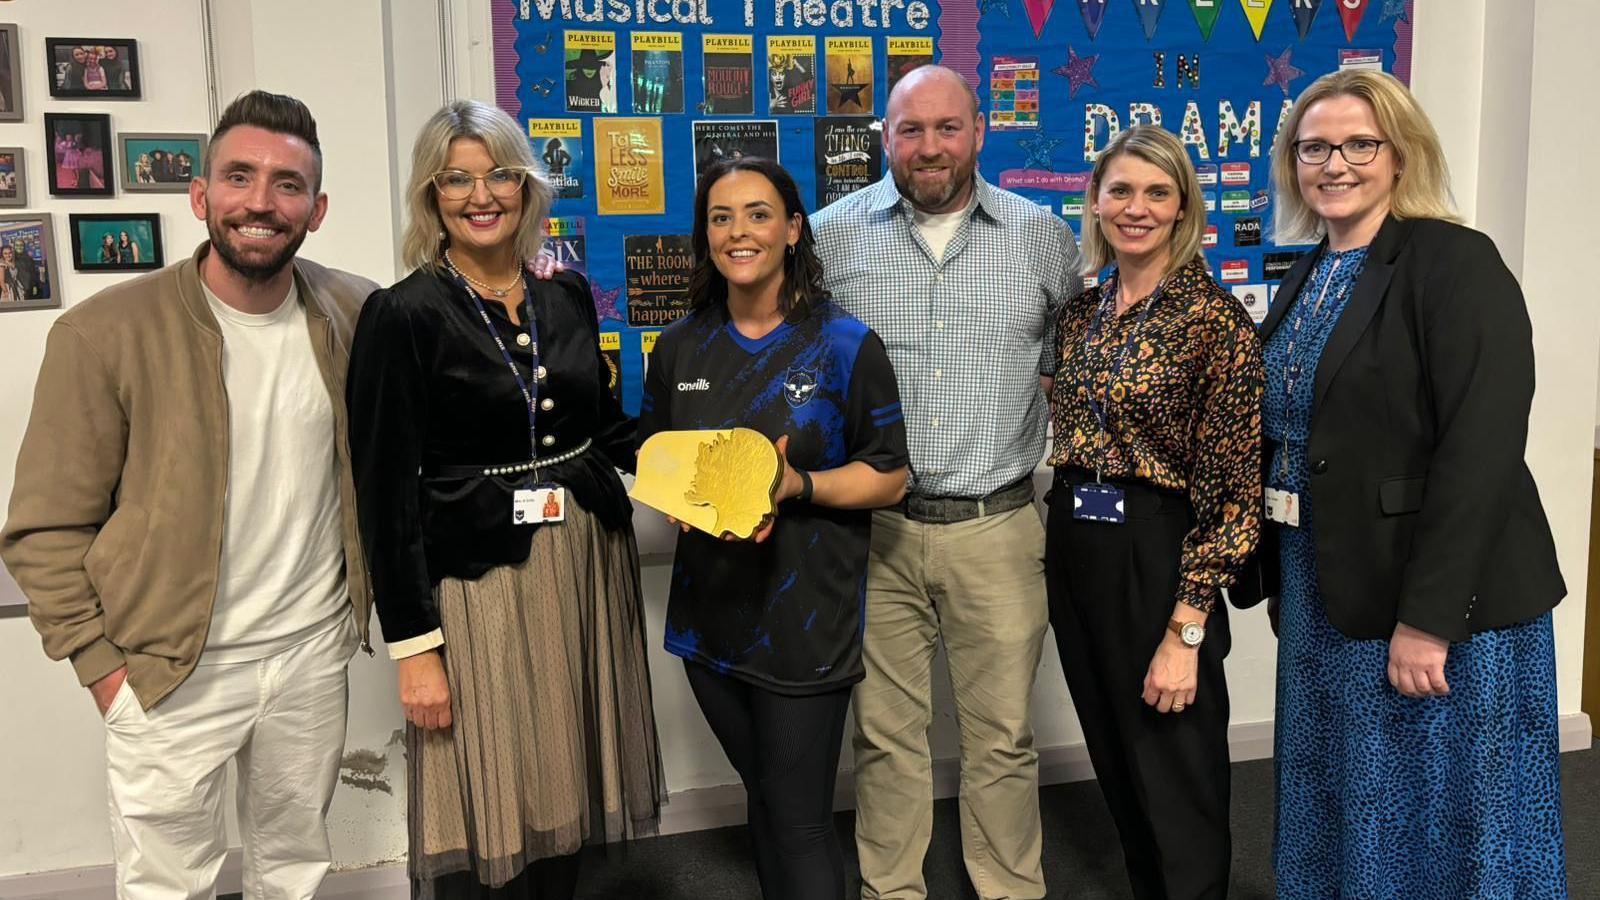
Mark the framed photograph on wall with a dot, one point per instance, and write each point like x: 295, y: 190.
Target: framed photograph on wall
x: 10, y: 75
x: 28, y: 263
x: 115, y: 242
x: 13, y: 178
x: 79, y: 145
x: 93, y: 68
x: 160, y: 163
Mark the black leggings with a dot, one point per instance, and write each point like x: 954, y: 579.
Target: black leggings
x: 786, y: 750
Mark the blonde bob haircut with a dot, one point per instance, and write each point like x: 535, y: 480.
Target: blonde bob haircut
x: 422, y: 246
x: 1422, y: 188
x: 1160, y: 148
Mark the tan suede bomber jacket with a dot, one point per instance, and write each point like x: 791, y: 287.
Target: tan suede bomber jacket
x: 115, y: 526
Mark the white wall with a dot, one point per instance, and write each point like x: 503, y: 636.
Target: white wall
x: 365, y: 68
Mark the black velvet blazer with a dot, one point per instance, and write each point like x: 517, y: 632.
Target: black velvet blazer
x: 428, y: 391
x: 1426, y: 512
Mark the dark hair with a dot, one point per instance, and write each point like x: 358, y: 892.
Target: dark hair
x: 802, y: 271
x: 804, y: 284
x: 274, y: 112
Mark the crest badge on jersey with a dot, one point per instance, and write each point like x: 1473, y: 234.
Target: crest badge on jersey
x: 799, y: 385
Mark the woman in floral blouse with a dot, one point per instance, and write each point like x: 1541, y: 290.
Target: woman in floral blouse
x: 1156, y: 505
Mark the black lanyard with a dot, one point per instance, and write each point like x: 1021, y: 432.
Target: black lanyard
x: 1101, y: 410
x: 530, y: 392
x: 1292, y: 362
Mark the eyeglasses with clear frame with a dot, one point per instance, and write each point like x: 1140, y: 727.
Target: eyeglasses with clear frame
x: 1356, y: 152
x: 454, y: 184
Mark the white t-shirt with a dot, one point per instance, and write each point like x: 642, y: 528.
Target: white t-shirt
x: 938, y: 228
x: 282, y: 579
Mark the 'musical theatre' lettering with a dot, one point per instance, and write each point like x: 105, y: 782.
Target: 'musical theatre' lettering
x: 785, y: 13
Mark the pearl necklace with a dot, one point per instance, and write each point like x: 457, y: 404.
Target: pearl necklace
x: 500, y: 293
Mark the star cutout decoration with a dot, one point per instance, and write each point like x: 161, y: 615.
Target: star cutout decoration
x: 605, y: 302
x: 1078, y: 71
x: 849, y: 93
x: 1003, y: 7
x: 1280, y: 71
x: 1039, y: 149
x: 1394, y: 9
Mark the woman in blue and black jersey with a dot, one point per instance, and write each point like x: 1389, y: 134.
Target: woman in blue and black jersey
x: 770, y: 629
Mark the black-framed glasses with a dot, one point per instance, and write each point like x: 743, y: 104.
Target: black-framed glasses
x: 1357, y: 152
x: 454, y: 184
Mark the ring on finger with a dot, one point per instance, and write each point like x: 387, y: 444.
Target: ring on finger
x: 1178, y: 706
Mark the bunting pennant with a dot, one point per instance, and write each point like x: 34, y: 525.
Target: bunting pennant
x: 1351, y: 12
x: 1094, y: 13
x: 1038, y: 13
x: 1149, y: 14
x: 1305, y: 12
x: 1205, y: 13
x: 1256, y: 12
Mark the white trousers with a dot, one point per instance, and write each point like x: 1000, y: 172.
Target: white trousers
x: 282, y: 719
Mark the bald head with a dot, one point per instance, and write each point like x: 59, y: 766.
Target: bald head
x: 930, y: 82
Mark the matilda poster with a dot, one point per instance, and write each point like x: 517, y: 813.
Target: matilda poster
x: 591, y: 71
x: 729, y: 74
x: 791, y: 75
x: 849, y: 156
x: 564, y: 240
x: 657, y: 72
x: 850, y: 75
x: 558, y: 145
x: 905, y: 54
x: 628, y: 173
x: 717, y: 138
x: 657, y: 268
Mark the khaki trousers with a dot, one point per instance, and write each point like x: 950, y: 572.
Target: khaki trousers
x: 979, y: 587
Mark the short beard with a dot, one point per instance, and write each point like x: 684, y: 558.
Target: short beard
x: 253, y: 273
x: 933, y: 198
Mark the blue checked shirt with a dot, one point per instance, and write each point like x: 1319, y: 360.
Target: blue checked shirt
x: 968, y: 335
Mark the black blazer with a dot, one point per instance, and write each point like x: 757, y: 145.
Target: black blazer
x: 432, y: 402
x: 1425, y: 511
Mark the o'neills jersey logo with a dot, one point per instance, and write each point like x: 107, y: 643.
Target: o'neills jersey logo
x: 699, y: 384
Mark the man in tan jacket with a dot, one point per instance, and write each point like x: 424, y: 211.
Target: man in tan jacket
x: 183, y: 523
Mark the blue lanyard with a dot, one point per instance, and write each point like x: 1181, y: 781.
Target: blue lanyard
x: 1293, y: 366
x: 530, y: 392
x: 1109, y: 294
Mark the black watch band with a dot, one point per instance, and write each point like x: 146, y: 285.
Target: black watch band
x: 805, y: 486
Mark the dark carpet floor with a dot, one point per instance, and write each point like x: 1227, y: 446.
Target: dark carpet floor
x: 1082, y: 859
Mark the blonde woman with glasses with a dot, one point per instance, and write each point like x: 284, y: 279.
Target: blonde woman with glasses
x: 486, y: 443
x: 1409, y: 558
x: 1154, y: 510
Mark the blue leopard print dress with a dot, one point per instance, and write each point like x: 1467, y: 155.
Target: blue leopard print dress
x: 1381, y: 797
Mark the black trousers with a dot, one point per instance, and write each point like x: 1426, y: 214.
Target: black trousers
x: 1165, y: 777
x: 786, y: 750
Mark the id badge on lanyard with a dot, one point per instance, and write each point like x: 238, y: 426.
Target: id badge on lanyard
x: 539, y: 503
x: 1098, y: 501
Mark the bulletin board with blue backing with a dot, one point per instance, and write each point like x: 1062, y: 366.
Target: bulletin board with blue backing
x: 625, y: 99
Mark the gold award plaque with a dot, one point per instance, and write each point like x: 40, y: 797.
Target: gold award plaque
x: 718, y: 481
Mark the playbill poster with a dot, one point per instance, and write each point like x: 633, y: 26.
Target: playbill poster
x: 791, y: 74
x: 729, y: 74
x: 558, y: 146
x: 628, y: 174
x: 905, y: 54
x: 850, y: 76
x: 591, y: 71
x: 657, y: 72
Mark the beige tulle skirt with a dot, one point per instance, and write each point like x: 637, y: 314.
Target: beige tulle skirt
x: 553, y: 741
